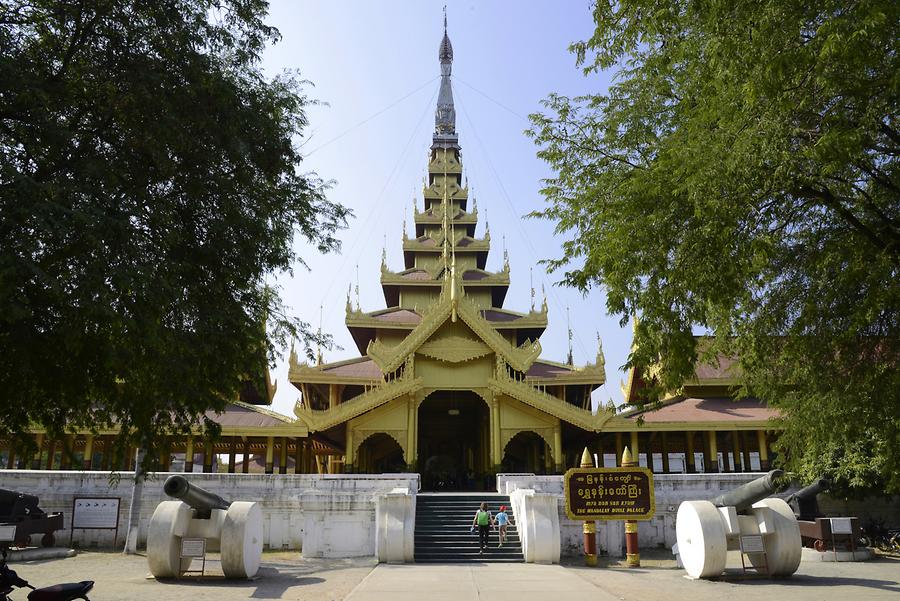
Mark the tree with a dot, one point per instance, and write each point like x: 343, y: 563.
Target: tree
x: 741, y: 177
x: 150, y: 182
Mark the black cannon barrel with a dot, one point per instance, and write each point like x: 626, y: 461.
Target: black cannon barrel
x: 179, y: 488
x: 810, y: 491
x: 746, y: 495
x: 17, y: 503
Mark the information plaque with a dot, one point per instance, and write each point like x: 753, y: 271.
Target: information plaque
x: 7, y: 533
x: 193, y: 547
x: 618, y: 493
x: 95, y: 513
x: 100, y: 513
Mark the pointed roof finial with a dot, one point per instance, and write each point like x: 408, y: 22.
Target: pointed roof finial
x: 530, y: 277
x: 446, y: 52
x: 357, y: 287
x: 544, y: 307
x: 319, y: 338
x: 601, y: 360
x: 569, y: 359
x: 293, y: 357
x: 445, y: 115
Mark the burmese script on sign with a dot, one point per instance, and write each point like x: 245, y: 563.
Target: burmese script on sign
x: 609, y: 494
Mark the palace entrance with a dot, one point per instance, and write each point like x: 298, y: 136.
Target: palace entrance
x: 453, y: 441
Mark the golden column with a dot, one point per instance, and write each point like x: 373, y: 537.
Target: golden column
x: 763, y: 450
x: 713, y: 452
x: 188, y: 454
x: 270, y: 454
x: 87, y: 460
x: 636, y: 452
x: 558, y: 458
x: 632, y: 551
x: 590, y: 526
x: 496, y: 458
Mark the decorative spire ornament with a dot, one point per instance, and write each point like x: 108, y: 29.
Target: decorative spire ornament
x: 445, y: 115
x: 601, y: 360
x: 293, y: 361
x: 530, y: 281
x: 357, y: 287
x: 319, y: 338
x: 569, y: 359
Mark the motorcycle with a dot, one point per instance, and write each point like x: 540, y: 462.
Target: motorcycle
x: 9, y: 581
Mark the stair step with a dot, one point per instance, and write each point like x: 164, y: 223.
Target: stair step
x: 443, y: 530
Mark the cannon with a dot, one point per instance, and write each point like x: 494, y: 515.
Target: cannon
x: 235, y: 527
x: 764, y: 529
x: 803, y: 502
x: 21, y: 510
x: 815, y: 529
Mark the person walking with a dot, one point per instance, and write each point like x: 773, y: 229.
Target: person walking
x: 502, y: 521
x: 483, y: 520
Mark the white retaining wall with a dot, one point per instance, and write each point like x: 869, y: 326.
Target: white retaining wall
x: 339, y: 516
x: 670, y: 491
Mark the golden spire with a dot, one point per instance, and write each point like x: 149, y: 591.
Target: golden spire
x: 319, y: 338
x: 586, y: 459
x: 506, y: 256
x: 530, y: 281
x: 569, y: 359
x: 293, y: 361
x: 444, y: 225
x: 601, y: 360
x: 357, y: 287
x: 544, y: 307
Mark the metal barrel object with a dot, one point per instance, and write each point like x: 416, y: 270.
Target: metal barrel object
x: 179, y: 488
x: 16, y: 503
x: 810, y: 491
x: 744, y: 496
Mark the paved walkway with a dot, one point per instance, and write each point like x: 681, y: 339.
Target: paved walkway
x: 485, y: 582
x: 287, y: 576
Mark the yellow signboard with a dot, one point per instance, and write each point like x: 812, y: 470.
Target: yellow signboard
x: 616, y: 493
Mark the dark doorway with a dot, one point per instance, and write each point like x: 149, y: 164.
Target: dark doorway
x: 527, y: 452
x: 379, y: 454
x: 453, y: 442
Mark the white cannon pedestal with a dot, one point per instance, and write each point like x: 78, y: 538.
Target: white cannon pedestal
x: 705, y: 534
x: 237, y: 530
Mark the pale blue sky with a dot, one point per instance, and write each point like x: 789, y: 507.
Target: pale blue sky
x: 375, y: 65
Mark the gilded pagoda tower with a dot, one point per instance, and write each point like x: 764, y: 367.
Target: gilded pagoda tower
x: 449, y: 382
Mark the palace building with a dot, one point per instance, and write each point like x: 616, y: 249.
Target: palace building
x: 450, y: 383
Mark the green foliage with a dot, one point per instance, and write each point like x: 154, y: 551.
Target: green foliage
x: 150, y: 182
x: 741, y: 176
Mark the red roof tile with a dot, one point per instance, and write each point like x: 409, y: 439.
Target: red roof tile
x: 418, y: 274
x: 726, y: 368
x: 710, y: 410
x: 399, y: 316
x: 473, y: 274
x: 238, y: 416
x: 365, y: 368
x: 490, y: 315
x: 547, y: 370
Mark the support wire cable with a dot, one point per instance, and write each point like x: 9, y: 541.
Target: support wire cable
x: 370, y: 225
x: 367, y: 119
x: 516, y: 218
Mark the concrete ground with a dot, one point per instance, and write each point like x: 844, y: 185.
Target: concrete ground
x: 287, y: 576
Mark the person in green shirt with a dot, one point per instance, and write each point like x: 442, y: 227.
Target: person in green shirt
x: 483, y: 520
